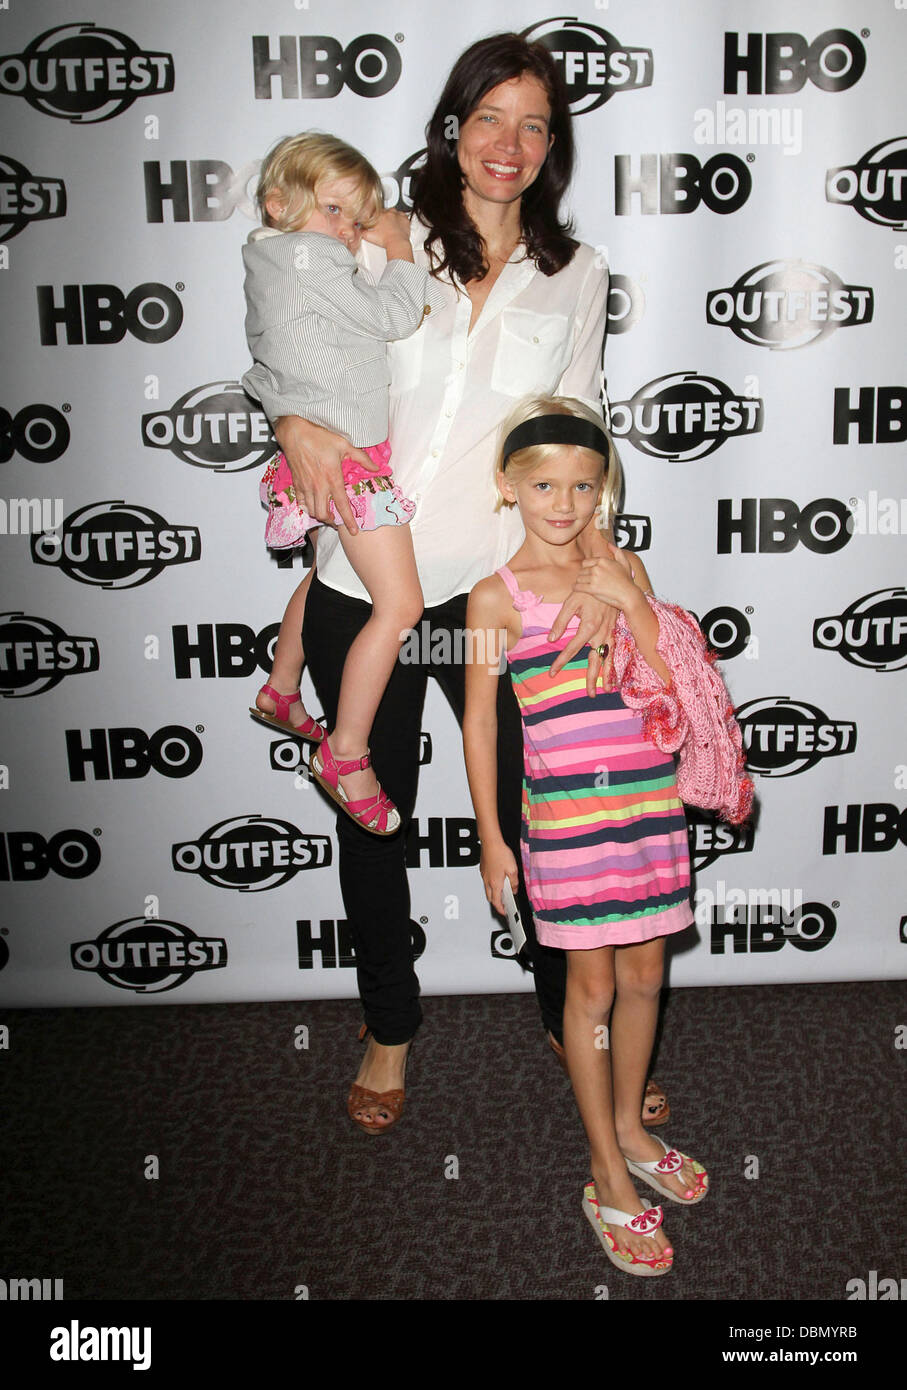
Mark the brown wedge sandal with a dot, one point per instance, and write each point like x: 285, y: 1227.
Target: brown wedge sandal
x: 655, y: 1108
x: 361, y: 1098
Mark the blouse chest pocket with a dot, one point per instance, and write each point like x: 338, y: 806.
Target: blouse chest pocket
x: 405, y: 358
x: 406, y: 355
x: 532, y: 352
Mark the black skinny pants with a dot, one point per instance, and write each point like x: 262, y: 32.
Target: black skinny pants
x: 372, y: 868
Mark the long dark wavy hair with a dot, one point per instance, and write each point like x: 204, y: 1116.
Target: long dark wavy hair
x: 453, y: 241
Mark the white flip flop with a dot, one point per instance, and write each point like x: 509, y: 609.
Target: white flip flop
x: 651, y: 1173
x: 644, y: 1223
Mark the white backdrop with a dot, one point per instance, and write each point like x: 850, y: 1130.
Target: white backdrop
x: 159, y: 845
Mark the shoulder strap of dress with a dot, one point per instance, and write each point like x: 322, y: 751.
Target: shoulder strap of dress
x: 509, y: 579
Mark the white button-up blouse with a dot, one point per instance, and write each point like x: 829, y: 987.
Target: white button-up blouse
x: 450, y: 392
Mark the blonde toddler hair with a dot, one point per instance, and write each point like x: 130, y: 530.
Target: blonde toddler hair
x: 295, y: 167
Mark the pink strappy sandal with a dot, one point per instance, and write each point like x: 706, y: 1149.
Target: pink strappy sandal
x: 309, y: 729
x: 378, y: 809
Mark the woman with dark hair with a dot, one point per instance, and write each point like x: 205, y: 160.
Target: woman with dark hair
x: 516, y: 306
x: 454, y: 240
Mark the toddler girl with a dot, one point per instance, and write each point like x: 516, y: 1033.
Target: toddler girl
x: 317, y: 325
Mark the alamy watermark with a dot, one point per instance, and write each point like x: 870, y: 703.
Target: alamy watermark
x: 877, y: 516
x: 749, y: 125
x: 29, y: 516
x: 784, y: 901
x: 464, y: 646
x: 30, y: 1290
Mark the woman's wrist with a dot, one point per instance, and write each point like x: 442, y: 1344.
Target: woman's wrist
x: 593, y: 542
x: 636, y: 605
x: 399, y: 249
x: 291, y: 426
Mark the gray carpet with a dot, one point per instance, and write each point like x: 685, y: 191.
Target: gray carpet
x: 265, y: 1185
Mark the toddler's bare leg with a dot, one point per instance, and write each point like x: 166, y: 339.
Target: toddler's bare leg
x: 289, y: 657
x: 384, y: 561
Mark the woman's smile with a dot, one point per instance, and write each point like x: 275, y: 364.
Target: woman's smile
x: 502, y: 171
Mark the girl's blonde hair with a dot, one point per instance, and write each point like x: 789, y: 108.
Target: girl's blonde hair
x: 295, y: 167
x: 525, y: 461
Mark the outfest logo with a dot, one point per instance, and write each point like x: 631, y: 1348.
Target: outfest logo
x: 35, y: 655
x: 116, y: 545
x: 215, y: 426
x: 595, y: 65
x: 632, y: 531
x: 710, y: 837
x: 684, y: 416
x: 148, y: 955
x: 782, y: 737
x: 84, y: 73
x: 788, y: 304
x: 871, y: 632
x: 26, y: 197
x: 876, y: 186
x: 398, y: 186
x: 251, y: 853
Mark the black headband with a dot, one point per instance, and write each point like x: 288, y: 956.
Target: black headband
x: 556, y: 429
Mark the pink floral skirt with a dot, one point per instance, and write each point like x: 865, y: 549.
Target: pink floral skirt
x: 374, y: 497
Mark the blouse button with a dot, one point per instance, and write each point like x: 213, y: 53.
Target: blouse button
x: 427, y: 309
x: 535, y: 340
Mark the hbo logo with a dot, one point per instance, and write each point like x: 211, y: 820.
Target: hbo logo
x: 25, y: 855
x: 38, y: 433
x: 774, y: 525
x: 103, y: 314
x: 124, y: 754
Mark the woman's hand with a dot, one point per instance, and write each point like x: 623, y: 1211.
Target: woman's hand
x: 496, y: 864
x: 615, y: 581
x: 609, y: 579
x: 596, y: 623
x: 602, y: 587
x: 314, y: 456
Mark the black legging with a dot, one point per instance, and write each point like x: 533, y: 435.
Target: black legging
x: 373, y: 868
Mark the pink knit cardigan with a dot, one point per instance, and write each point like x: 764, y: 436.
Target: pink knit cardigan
x: 692, y: 717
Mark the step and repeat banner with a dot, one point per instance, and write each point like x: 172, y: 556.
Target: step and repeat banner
x: 742, y: 169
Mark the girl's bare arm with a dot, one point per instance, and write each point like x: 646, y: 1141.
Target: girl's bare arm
x: 487, y: 620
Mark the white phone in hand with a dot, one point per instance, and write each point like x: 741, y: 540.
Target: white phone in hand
x: 517, y: 931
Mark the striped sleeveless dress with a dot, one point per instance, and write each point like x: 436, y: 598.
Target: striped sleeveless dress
x: 604, y: 840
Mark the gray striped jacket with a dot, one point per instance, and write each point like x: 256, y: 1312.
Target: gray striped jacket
x: 317, y: 324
